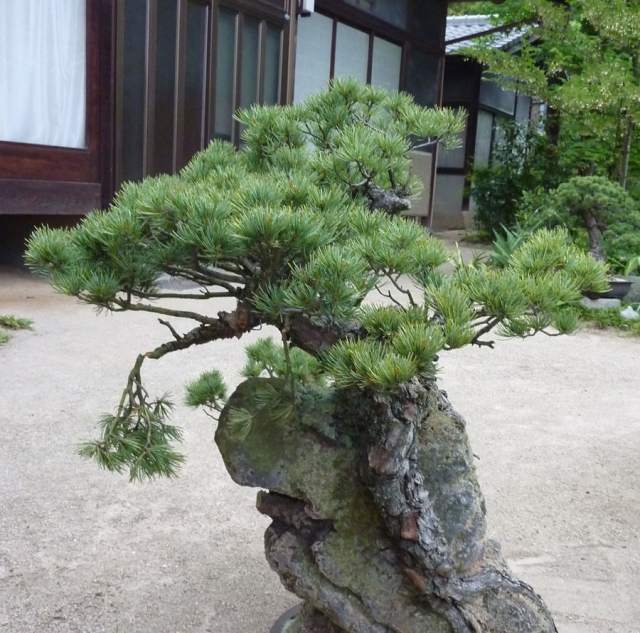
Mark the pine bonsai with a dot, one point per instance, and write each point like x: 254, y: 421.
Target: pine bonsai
x: 605, y: 211
x: 378, y: 519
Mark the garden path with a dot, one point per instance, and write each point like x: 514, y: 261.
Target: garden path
x: 555, y: 424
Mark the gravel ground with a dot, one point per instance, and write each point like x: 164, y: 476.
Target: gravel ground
x: 555, y: 424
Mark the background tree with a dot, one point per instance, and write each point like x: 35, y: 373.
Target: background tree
x: 378, y: 519
x: 523, y: 162
x: 581, y: 58
x: 598, y: 213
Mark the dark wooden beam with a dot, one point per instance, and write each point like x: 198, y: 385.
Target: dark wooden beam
x: 45, y: 197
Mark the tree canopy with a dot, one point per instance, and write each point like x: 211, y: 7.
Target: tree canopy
x: 300, y: 226
x: 581, y: 58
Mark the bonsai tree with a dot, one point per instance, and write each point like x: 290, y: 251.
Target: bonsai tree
x: 603, y: 209
x: 366, y: 470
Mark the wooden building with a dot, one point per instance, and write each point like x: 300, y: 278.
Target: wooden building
x: 97, y: 92
x: 467, y: 86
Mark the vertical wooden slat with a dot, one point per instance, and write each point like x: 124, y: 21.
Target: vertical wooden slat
x: 237, y: 85
x: 287, y: 53
x: 434, y: 166
x: 404, y: 62
x: 178, y: 111
x: 210, y: 73
x: 262, y: 45
x: 88, y: 23
x: 119, y: 91
x: 472, y: 130
x: 150, y: 88
x: 334, y: 32
x: 205, y: 56
x: 370, y: 57
x: 106, y: 90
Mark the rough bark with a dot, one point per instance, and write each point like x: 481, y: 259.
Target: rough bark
x: 593, y: 231
x: 378, y: 519
x: 393, y: 202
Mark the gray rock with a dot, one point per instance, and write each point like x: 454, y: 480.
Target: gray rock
x: 629, y: 313
x: 336, y: 531
x: 633, y: 296
x: 600, y: 304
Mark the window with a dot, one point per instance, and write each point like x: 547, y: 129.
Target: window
x: 257, y: 44
x: 43, y: 72
x: 454, y: 158
x: 55, y: 105
x: 484, y: 137
x: 386, y: 64
x: 313, y: 55
x: 182, y: 81
x: 328, y: 48
x: 352, y: 53
x: 494, y: 96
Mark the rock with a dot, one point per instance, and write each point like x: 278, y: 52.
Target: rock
x: 339, y: 512
x: 310, y: 620
x: 340, y: 559
x: 600, y: 304
x: 629, y: 313
x: 633, y: 296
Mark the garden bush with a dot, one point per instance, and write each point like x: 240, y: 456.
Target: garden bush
x: 523, y: 161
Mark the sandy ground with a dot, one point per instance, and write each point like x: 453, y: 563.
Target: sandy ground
x: 555, y: 423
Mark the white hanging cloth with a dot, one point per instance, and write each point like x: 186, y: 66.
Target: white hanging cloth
x: 43, y: 72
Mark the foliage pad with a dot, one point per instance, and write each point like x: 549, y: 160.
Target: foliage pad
x: 299, y: 227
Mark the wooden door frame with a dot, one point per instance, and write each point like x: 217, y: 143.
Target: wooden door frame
x: 42, y: 179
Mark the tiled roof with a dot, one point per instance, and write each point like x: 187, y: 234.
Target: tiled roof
x: 465, y: 25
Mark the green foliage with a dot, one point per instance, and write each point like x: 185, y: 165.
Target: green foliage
x: 298, y: 228
x: 632, y: 265
x: 368, y: 364
x: 610, y: 318
x: 208, y: 390
x: 538, y: 290
x: 138, y: 439
x: 11, y: 322
x: 51, y: 251
x: 523, y: 161
x: 581, y: 58
x: 265, y: 357
x: 452, y: 310
x: 613, y: 209
x: 507, y: 241
x: 594, y: 194
x: 550, y: 254
x: 15, y: 323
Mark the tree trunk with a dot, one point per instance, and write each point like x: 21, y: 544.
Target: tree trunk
x: 626, y: 151
x: 378, y: 519
x: 593, y: 231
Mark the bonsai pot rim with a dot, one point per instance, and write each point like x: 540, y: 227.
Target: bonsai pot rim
x: 286, y: 618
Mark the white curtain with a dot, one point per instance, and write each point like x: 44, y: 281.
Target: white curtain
x: 43, y: 72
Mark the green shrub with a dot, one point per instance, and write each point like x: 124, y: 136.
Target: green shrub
x: 523, y: 161
x: 598, y: 213
x: 609, y: 318
x: 9, y: 322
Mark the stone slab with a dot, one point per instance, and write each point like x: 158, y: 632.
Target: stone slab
x: 600, y: 304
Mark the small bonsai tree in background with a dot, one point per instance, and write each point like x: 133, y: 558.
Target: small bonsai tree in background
x: 602, y: 209
x: 378, y: 519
